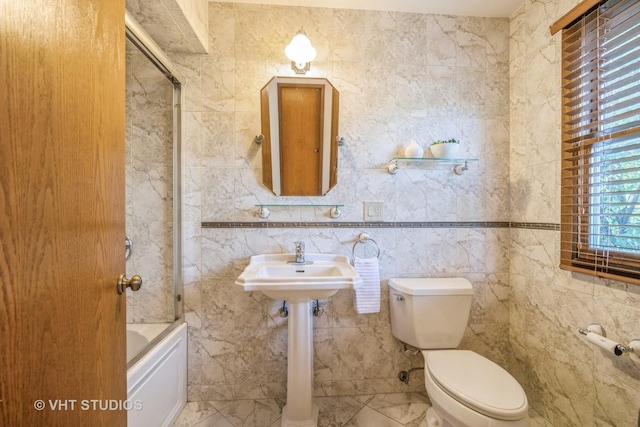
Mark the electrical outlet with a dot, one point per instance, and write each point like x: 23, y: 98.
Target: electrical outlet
x: 373, y: 211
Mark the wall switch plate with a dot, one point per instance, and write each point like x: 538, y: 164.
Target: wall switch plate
x: 373, y: 211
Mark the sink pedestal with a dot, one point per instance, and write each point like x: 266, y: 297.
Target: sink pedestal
x: 300, y: 410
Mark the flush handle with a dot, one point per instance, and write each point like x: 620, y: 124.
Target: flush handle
x: 135, y: 283
x: 399, y: 297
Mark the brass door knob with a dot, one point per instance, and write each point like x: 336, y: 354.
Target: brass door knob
x: 135, y: 283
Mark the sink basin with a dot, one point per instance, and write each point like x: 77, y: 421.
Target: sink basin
x: 276, y: 278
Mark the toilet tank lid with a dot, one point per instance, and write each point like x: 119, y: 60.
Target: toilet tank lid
x: 432, y: 286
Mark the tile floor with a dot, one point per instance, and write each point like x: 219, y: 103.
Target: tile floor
x: 382, y: 410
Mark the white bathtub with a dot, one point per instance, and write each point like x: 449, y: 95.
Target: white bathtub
x: 157, y: 382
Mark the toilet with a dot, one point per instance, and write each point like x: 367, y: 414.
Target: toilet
x: 465, y: 389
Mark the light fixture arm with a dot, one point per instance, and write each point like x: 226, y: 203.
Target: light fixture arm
x: 300, y: 68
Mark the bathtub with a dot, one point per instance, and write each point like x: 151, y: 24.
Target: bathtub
x: 157, y: 378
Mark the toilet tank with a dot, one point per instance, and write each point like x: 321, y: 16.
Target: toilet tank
x: 430, y: 313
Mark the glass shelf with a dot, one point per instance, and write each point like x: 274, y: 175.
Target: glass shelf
x: 302, y: 205
x: 264, y: 211
x: 460, y: 164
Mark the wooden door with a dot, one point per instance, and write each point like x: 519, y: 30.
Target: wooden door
x: 301, y: 120
x: 62, y: 332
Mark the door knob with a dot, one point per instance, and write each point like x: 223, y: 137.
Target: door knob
x: 134, y: 283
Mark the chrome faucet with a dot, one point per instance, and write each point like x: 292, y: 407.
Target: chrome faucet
x: 299, y: 252
x: 299, y: 255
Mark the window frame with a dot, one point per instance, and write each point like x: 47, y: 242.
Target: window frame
x: 581, y: 134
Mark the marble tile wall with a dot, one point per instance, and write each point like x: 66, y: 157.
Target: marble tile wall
x: 492, y: 83
x: 566, y: 379
x: 149, y: 194
x: 400, y: 76
x: 176, y: 25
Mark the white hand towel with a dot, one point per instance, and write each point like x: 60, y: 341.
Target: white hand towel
x: 368, y: 295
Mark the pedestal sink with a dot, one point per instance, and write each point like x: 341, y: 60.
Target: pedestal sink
x: 321, y: 276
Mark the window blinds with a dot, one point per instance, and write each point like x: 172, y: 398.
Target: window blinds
x: 600, y: 178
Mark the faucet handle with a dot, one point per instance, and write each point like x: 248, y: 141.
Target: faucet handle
x: 299, y: 245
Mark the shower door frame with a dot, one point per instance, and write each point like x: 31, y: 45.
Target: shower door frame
x: 148, y: 47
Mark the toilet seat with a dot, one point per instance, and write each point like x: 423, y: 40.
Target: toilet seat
x: 477, y: 383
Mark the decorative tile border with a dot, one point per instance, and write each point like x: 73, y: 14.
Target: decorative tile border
x: 384, y: 224
x: 535, y: 226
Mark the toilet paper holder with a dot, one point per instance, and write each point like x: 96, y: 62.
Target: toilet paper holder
x: 603, y: 342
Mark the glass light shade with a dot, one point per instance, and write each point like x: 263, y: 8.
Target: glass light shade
x: 300, y: 50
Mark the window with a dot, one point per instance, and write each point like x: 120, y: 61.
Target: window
x: 600, y: 194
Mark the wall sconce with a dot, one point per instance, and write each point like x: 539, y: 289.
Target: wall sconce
x: 300, y: 52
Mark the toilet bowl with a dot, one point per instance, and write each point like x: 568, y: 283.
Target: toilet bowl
x: 465, y: 388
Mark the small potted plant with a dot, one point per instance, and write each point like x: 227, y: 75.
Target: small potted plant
x: 445, y: 149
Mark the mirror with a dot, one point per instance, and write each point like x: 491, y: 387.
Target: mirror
x: 300, y: 129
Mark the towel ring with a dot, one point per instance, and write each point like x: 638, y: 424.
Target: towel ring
x: 364, y: 238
